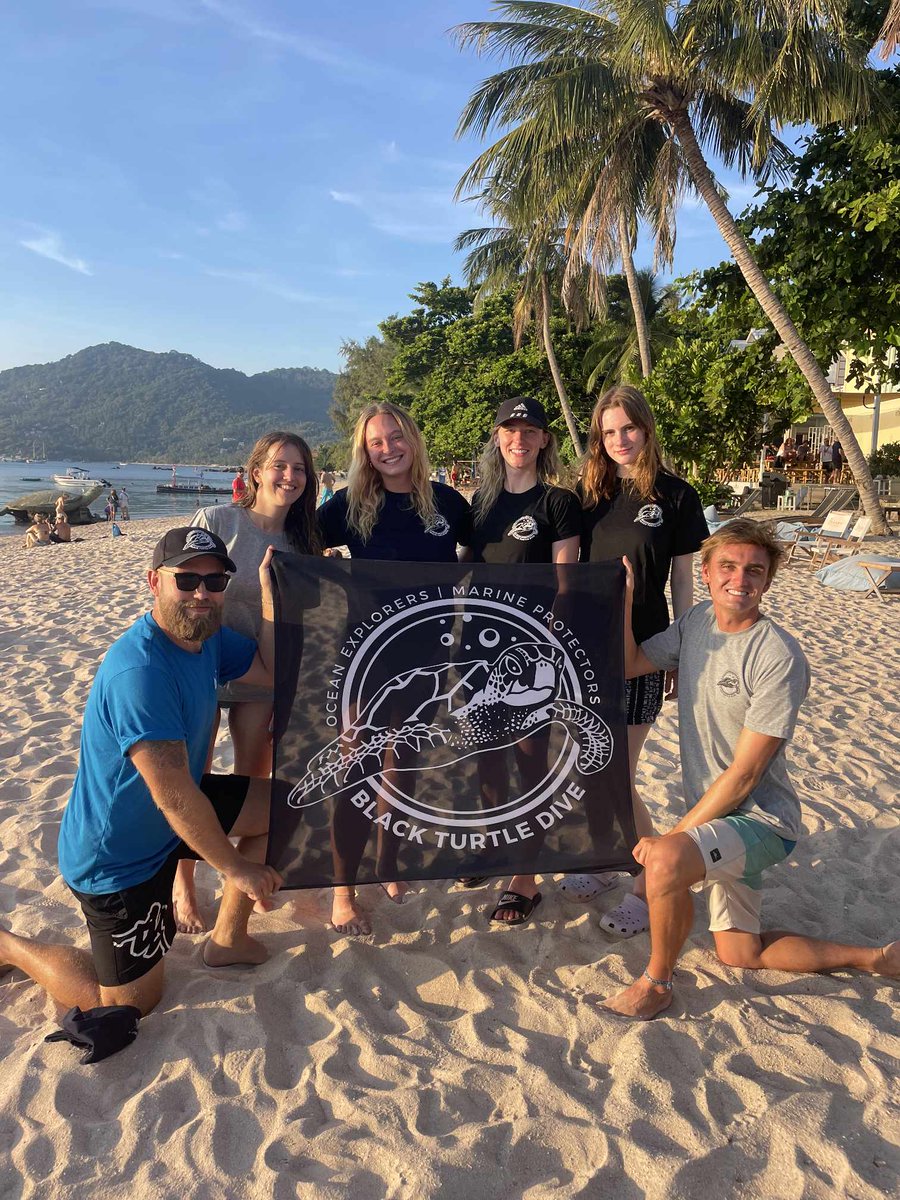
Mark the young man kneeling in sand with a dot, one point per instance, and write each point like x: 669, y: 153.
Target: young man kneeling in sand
x: 141, y: 802
x: 741, y: 681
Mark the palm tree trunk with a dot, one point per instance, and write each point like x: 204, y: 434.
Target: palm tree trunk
x: 554, y: 369
x: 634, y: 291
x: 784, y: 326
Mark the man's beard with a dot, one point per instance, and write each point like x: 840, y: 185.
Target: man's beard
x: 188, y: 626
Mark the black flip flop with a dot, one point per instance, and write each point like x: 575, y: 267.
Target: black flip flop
x: 472, y: 881
x: 523, y: 905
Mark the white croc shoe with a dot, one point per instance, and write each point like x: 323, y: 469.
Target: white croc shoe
x: 587, y: 887
x: 630, y: 917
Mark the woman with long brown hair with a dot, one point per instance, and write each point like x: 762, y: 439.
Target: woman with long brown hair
x: 390, y: 509
x: 277, y: 508
x: 634, y: 506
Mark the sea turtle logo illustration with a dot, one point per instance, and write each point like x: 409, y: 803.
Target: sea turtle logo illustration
x: 147, y: 937
x: 439, y: 527
x: 199, y: 539
x: 461, y: 709
x: 649, y: 514
x: 524, y: 530
x: 729, y: 684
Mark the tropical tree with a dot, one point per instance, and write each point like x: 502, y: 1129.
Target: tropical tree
x: 714, y: 74
x: 529, y: 255
x: 619, y: 352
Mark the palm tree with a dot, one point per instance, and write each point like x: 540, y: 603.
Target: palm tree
x: 714, y: 73
x: 890, y: 30
x: 533, y: 259
x: 615, y: 355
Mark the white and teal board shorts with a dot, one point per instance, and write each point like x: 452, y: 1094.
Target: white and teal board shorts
x: 736, y: 850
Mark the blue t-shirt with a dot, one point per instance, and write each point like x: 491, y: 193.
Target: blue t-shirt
x: 399, y: 534
x: 147, y: 689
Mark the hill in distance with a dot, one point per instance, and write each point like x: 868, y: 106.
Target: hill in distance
x: 117, y: 402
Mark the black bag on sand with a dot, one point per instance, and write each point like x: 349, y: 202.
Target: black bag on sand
x: 99, y: 1031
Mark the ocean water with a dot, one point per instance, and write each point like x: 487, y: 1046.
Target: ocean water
x: 18, y: 478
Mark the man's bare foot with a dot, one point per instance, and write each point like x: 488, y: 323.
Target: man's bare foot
x: 188, y: 918
x: 396, y: 890
x: 242, y: 952
x: 642, y: 1001
x: 524, y: 885
x: 348, y: 917
x: 889, y: 962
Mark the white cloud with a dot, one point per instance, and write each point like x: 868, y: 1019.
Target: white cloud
x: 390, y: 152
x: 49, y: 245
x: 350, y: 198
x: 264, y: 282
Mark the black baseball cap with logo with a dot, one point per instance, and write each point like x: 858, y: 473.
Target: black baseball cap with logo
x: 180, y: 545
x: 522, y: 408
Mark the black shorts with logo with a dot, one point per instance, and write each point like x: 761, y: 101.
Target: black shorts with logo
x: 132, y: 929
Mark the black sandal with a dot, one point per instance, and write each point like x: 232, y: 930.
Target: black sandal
x: 523, y: 905
x: 472, y: 881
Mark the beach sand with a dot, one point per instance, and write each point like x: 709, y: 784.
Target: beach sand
x: 440, y: 1058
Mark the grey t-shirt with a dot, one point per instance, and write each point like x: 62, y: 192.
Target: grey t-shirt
x: 756, y: 679
x: 243, y: 597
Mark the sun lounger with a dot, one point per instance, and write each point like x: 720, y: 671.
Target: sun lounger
x: 805, y: 541
x: 839, y: 497
x: 878, y: 572
x: 830, y: 549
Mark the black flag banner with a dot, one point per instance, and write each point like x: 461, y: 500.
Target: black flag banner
x: 436, y: 720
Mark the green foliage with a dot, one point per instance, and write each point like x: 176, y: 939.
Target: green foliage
x: 886, y: 460
x: 613, y: 356
x: 454, y: 366
x: 831, y: 241
x: 717, y: 404
x: 117, y: 402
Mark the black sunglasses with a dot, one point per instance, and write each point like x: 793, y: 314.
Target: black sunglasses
x: 189, y: 581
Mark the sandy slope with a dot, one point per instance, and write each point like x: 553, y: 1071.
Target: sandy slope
x: 440, y: 1058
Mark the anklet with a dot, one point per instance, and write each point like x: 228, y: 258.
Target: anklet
x: 663, y: 983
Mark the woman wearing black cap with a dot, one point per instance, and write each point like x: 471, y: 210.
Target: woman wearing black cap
x: 520, y: 516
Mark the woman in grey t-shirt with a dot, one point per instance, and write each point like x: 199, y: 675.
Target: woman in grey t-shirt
x: 277, y: 509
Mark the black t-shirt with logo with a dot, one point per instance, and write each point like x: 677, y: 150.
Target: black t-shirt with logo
x: 651, y: 533
x: 522, y: 526
x: 399, y: 533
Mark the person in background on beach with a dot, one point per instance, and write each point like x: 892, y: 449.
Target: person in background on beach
x: 123, y: 503
x: 634, y: 507
x: 389, y: 510
x: 60, y: 504
x: 141, y: 800
x: 38, y: 533
x: 108, y: 511
x: 742, y: 681
x: 520, y: 516
x: 277, y: 509
x: 114, y: 502
x: 825, y: 461
x: 238, y: 487
x: 62, y: 530
x: 327, y: 480
x: 837, y: 459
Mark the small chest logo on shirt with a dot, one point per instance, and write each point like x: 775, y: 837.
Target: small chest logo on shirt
x: 146, y: 938
x: 729, y: 685
x: 524, y: 530
x: 439, y: 527
x: 649, y: 514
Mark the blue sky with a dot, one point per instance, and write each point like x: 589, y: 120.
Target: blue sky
x: 248, y: 181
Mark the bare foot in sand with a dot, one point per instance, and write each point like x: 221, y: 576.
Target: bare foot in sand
x: 348, y: 917
x: 188, y: 918
x: 889, y: 963
x: 396, y: 891
x: 642, y: 1001
x: 242, y: 952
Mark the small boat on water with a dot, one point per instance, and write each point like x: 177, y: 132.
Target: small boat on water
x: 192, y: 489
x: 76, y: 479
